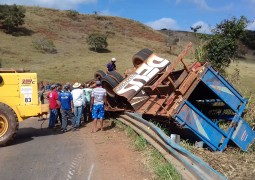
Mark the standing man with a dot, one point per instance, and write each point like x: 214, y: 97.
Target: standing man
x: 53, y: 102
x: 97, y: 102
x: 47, y: 87
x: 86, y: 111
x: 41, y: 96
x: 111, y: 66
x: 79, y: 103
x: 41, y: 91
x: 59, y: 90
x: 67, y: 108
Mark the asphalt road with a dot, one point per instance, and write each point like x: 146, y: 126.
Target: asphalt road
x: 38, y: 153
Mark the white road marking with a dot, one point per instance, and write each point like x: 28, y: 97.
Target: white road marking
x: 90, y: 171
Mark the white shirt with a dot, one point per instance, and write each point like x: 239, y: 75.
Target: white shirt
x: 78, y: 97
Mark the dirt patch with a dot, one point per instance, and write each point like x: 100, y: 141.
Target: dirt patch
x: 115, y: 156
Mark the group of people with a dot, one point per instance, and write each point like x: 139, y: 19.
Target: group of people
x: 75, y: 102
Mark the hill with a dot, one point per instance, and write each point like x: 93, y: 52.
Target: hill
x: 74, y: 61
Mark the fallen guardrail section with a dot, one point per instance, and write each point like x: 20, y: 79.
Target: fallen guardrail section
x: 194, y: 98
x: 187, y: 164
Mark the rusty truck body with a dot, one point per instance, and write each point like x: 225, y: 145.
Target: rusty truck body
x: 194, y: 97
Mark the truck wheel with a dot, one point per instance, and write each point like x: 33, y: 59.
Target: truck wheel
x: 141, y: 56
x: 8, y: 124
x: 109, y: 84
x: 1, y: 79
x: 99, y: 74
x: 116, y: 76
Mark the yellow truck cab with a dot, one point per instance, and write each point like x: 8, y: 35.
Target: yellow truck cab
x: 18, y: 101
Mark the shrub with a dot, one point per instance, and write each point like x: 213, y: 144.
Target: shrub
x: 11, y: 16
x: 73, y: 14
x: 97, y: 41
x: 45, y: 45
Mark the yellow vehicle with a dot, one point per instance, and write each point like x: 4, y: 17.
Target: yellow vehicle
x: 18, y: 101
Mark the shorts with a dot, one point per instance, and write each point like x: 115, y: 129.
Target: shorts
x: 98, y: 111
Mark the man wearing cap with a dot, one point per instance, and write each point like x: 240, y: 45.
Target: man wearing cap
x: 79, y: 103
x: 66, y: 101
x: 97, y: 102
x: 54, y: 104
x: 111, y: 66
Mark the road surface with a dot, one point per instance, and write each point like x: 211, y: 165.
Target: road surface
x: 39, y: 153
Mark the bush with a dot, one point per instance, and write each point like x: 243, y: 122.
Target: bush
x: 73, y: 14
x: 45, y: 45
x: 97, y: 41
x: 11, y: 16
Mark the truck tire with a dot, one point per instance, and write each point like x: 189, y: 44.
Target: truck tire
x: 99, y: 74
x: 141, y: 56
x: 8, y: 124
x: 116, y: 76
x: 109, y: 84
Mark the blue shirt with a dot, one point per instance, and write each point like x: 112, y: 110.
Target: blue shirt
x: 47, y: 87
x: 111, y: 66
x: 65, y: 99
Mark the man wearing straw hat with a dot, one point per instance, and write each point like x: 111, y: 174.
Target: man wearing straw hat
x: 79, y: 103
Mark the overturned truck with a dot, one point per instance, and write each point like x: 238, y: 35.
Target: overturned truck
x: 196, y: 98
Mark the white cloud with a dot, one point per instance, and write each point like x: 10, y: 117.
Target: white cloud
x: 58, y: 4
x: 205, y: 28
x: 202, y: 4
x: 251, y: 1
x: 251, y: 26
x: 162, y: 23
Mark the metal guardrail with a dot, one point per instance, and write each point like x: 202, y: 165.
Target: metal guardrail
x: 188, y: 165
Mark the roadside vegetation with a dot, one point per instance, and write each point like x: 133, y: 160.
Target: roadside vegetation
x: 162, y: 169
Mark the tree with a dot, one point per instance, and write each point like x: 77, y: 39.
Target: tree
x: 11, y: 16
x: 222, y: 46
x: 97, y: 41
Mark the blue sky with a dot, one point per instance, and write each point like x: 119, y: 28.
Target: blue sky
x: 158, y: 14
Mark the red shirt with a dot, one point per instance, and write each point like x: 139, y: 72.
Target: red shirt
x: 53, y: 97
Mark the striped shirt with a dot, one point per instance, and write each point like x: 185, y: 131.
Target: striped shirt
x: 98, y: 93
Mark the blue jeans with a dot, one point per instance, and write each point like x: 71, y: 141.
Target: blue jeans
x: 53, y: 117
x: 77, y: 116
x: 65, y: 114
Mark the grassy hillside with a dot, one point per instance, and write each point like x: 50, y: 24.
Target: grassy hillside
x: 73, y: 60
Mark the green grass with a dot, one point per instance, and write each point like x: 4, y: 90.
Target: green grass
x: 162, y: 169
